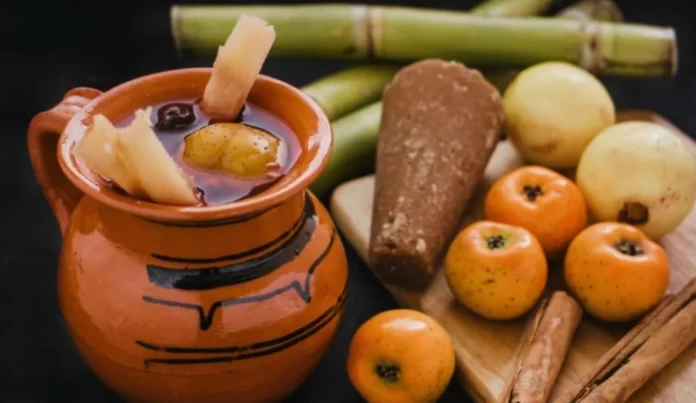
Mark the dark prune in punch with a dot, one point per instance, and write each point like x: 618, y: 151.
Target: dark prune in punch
x: 175, y: 116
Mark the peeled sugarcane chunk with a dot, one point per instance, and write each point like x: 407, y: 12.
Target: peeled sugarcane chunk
x: 134, y: 159
x: 233, y: 149
x: 161, y: 178
x: 99, y: 152
x: 236, y: 67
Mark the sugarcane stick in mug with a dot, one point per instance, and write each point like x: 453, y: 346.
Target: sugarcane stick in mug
x: 347, y: 31
x: 236, y: 66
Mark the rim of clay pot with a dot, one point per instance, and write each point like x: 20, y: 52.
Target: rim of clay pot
x: 316, y: 144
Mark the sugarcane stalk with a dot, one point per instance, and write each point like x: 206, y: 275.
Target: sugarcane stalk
x: 511, y: 8
x: 355, y: 135
x: 395, y: 33
x: 349, y: 89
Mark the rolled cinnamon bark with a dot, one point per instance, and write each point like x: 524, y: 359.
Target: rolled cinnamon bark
x: 440, y: 124
x: 663, y: 347
x: 546, y: 346
x: 647, y: 348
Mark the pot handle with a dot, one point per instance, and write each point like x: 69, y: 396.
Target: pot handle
x: 42, y: 139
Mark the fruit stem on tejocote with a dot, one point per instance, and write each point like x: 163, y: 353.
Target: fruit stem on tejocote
x: 388, y: 372
x: 532, y: 192
x: 495, y: 242
x: 629, y: 248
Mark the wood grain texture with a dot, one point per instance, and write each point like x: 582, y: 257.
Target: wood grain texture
x: 486, y: 350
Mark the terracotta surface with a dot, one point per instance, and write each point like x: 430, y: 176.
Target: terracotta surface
x: 233, y: 302
x: 485, y: 349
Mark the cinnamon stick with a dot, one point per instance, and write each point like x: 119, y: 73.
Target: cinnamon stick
x: 544, y: 350
x: 652, y: 344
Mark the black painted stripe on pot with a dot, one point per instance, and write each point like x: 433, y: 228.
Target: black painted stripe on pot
x: 307, y: 210
x: 255, y: 346
x: 252, y: 351
x: 221, y: 276
x: 206, y: 318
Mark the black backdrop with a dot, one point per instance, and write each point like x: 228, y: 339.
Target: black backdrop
x: 49, y: 47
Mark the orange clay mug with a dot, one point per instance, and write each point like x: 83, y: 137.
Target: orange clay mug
x: 233, y: 302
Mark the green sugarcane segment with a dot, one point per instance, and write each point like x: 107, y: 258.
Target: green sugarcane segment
x: 350, y: 89
x: 511, y: 8
x: 355, y: 137
x: 405, y: 34
x: 608, y: 48
x: 301, y: 30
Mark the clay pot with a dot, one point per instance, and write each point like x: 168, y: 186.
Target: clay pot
x: 234, y: 302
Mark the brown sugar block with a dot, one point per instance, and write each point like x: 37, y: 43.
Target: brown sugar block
x: 440, y: 124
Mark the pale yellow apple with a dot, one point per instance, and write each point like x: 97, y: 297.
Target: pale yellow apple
x: 640, y: 173
x: 553, y: 111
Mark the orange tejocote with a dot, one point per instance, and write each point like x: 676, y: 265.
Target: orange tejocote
x: 542, y: 201
x: 233, y: 302
x: 400, y: 356
x: 617, y: 273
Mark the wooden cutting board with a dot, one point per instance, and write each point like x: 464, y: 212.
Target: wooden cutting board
x: 486, y: 350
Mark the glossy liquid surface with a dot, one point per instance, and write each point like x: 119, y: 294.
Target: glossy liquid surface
x: 217, y: 188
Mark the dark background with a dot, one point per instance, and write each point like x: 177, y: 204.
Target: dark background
x: 49, y: 47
